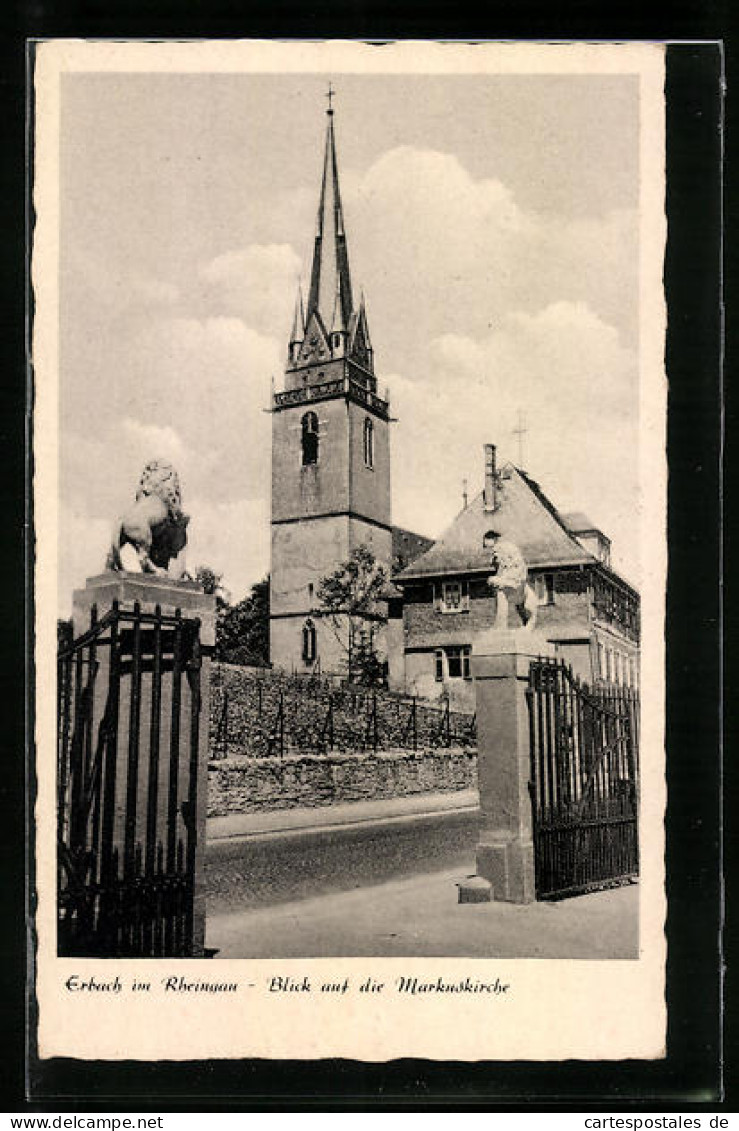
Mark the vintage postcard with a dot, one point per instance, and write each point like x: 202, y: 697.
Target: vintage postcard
x: 350, y: 494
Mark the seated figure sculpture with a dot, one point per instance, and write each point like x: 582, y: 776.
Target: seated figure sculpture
x: 509, y: 580
x: 152, y: 534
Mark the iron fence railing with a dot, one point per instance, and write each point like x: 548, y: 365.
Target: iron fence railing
x: 128, y: 700
x: 584, y: 780
x: 275, y: 715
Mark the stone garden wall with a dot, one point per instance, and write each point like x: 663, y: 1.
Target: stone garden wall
x: 244, y: 785
x: 279, y: 741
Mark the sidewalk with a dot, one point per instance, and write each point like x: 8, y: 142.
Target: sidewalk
x: 419, y: 916
x: 287, y: 822
x: 378, y: 878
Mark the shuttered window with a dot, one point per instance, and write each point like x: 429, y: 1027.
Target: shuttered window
x: 455, y: 597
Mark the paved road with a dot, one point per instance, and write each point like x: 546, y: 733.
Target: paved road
x: 265, y: 858
x: 419, y: 916
x: 379, y: 878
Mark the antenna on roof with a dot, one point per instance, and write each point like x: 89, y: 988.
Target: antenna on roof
x: 464, y: 493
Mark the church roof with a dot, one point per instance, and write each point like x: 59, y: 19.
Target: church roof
x: 523, y: 515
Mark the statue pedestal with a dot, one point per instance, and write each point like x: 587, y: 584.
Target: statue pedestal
x: 150, y: 590
x: 152, y: 676
x: 505, y: 852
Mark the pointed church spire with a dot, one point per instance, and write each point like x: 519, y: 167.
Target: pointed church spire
x: 298, y: 331
x: 337, y: 318
x: 330, y: 271
x: 362, y: 320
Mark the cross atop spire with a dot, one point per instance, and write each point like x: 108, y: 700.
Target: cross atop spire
x: 520, y: 432
x: 329, y: 95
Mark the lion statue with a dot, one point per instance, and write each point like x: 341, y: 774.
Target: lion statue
x: 152, y: 535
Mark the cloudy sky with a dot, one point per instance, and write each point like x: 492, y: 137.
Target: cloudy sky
x: 492, y: 223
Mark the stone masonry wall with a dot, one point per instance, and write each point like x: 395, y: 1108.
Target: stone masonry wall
x: 247, y: 785
x: 378, y: 745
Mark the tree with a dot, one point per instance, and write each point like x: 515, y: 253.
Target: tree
x: 212, y: 584
x: 350, y: 598
x: 242, y: 630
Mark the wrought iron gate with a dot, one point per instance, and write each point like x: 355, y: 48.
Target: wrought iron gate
x: 584, y: 781
x: 126, y: 834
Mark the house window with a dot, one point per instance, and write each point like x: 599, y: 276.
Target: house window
x: 309, y: 438
x: 369, y: 443
x: 458, y: 662
x: 309, y: 642
x: 455, y: 597
x: 544, y: 587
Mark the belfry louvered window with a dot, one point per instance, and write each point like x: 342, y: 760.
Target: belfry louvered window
x: 309, y: 438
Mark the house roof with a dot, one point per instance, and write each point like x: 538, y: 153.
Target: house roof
x: 579, y: 523
x: 407, y: 545
x: 523, y: 515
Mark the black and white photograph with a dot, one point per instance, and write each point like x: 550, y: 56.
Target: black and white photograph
x: 354, y: 406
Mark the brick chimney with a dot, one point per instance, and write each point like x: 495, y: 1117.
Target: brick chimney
x: 489, y: 498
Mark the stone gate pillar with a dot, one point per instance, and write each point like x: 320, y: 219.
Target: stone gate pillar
x: 150, y: 591
x: 505, y: 851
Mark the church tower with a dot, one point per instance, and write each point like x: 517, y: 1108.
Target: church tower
x: 330, y: 448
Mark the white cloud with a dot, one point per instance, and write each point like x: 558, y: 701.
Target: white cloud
x: 209, y: 380
x: 564, y: 355
x: 101, y: 284
x: 257, y: 283
x: 153, y: 291
x: 160, y: 443
x: 189, y: 390
x: 428, y: 188
x: 566, y: 370
x: 84, y: 542
x: 456, y: 254
x: 233, y: 538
